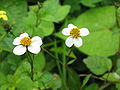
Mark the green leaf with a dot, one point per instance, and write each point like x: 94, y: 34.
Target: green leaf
x: 4, y: 87
x: 73, y: 80
x: 3, y: 78
x: 70, y: 62
x: 61, y: 13
x: 45, y: 28
x: 118, y: 15
x: 25, y: 83
x: 74, y: 5
x: 23, y: 68
x: 100, y: 47
x: 34, y: 8
x: 118, y: 71
x: 6, y: 44
x: 97, y: 19
x: 90, y: 3
x: 53, y: 13
x: 56, y: 82
x: 39, y: 62
x: 21, y: 72
x: 98, y: 65
x: 48, y: 80
x: 13, y: 61
x: 111, y: 76
x: 86, y: 80
x: 30, y: 20
x: 92, y: 86
x: 118, y: 63
x: 2, y: 31
x: 5, y: 67
x: 118, y: 86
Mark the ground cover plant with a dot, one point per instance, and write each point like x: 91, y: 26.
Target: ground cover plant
x: 59, y: 45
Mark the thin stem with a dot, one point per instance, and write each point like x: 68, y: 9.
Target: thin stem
x: 28, y: 58
x: 107, y: 77
x: 64, y: 67
x: 32, y: 67
x: 50, y: 44
x: 12, y: 34
x: 3, y: 36
x: 69, y: 53
x: 93, y: 76
x: 37, y: 15
x: 104, y: 86
x: 56, y: 58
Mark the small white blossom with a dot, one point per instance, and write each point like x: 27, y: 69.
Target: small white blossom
x: 74, y: 34
x: 24, y: 43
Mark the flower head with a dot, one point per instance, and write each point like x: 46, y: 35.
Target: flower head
x: 74, y: 34
x: 24, y: 43
x: 3, y: 15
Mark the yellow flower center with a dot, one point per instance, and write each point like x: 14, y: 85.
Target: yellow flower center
x: 26, y: 41
x: 75, y: 32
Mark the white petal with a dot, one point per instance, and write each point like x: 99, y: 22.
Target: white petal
x: 34, y: 49
x: 69, y: 41
x: 71, y: 26
x: 24, y: 35
x: 84, y: 32
x: 16, y: 41
x: 19, y: 50
x: 77, y: 42
x: 66, y: 31
x: 37, y: 41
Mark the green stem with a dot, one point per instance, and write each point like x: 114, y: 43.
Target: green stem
x: 3, y: 36
x: 69, y: 53
x: 50, y: 44
x: 57, y: 60
x: 31, y: 60
x: 32, y: 68
x: 104, y: 86
x: 64, y: 67
x: 107, y: 77
x: 37, y: 15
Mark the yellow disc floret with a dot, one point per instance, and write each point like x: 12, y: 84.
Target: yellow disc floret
x: 75, y: 32
x: 26, y: 41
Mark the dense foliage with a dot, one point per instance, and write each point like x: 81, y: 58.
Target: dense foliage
x: 93, y: 66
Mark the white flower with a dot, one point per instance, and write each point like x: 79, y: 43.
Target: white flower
x: 24, y: 43
x: 74, y: 34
